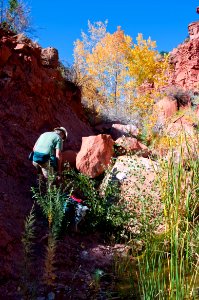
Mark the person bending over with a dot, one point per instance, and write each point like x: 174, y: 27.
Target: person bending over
x: 47, y: 152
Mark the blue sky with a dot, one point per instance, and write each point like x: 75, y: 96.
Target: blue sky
x: 59, y: 23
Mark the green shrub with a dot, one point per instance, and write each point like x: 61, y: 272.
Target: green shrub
x: 106, y: 213
x: 52, y: 204
x: 28, y: 281
x: 51, y: 201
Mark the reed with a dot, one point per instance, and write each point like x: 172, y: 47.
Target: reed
x: 169, y: 266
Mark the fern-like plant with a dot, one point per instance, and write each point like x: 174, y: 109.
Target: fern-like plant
x: 28, y: 284
x: 52, y: 204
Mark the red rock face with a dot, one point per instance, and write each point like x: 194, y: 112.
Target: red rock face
x: 69, y: 156
x: 194, y: 30
x: 95, y: 155
x: 33, y: 98
x: 185, y: 61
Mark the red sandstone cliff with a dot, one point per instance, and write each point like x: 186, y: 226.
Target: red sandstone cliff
x: 33, y: 98
x: 185, y: 61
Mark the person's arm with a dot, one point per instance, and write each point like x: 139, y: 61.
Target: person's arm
x: 59, y: 160
x: 34, y: 146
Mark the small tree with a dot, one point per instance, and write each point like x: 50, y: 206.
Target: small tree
x: 1, y: 11
x: 102, y: 57
x: 15, y: 16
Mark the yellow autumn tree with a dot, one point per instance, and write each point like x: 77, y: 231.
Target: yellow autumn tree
x: 118, y: 68
x: 104, y: 58
x: 108, y: 65
x: 146, y: 65
x: 88, y: 42
x: 148, y: 71
x: 82, y: 48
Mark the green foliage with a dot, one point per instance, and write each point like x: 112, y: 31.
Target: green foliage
x: 29, y: 282
x: 169, y: 258
x: 29, y: 234
x: 51, y: 203
x: 144, y: 135
x: 106, y: 213
x: 95, y: 283
x: 168, y: 264
x: 13, y: 5
x: 163, y: 53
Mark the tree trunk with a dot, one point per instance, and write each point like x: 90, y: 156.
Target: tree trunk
x: 116, y: 74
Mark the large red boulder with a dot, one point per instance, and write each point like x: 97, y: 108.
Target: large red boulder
x: 95, y: 154
x: 162, y: 111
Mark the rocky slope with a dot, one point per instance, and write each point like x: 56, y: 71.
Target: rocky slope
x: 185, y: 61
x: 33, y: 98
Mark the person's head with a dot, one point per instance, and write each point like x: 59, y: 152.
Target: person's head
x: 62, y: 132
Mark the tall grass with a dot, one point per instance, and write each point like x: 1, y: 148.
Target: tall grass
x: 169, y: 266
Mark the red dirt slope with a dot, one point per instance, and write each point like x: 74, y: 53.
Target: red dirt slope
x: 33, y: 98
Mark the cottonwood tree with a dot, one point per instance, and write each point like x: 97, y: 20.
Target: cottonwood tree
x: 103, y: 57
x: 15, y: 16
x: 146, y: 64
x: 108, y: 65
x: 119, y: 68
x: 148, y: 68
x: 84, y: 47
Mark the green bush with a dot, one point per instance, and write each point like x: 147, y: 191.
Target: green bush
x: 52, y: 204
x: 106, y: 213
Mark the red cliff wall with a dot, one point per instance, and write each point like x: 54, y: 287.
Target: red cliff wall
x: 33, y: 98
x: 185, y: 61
